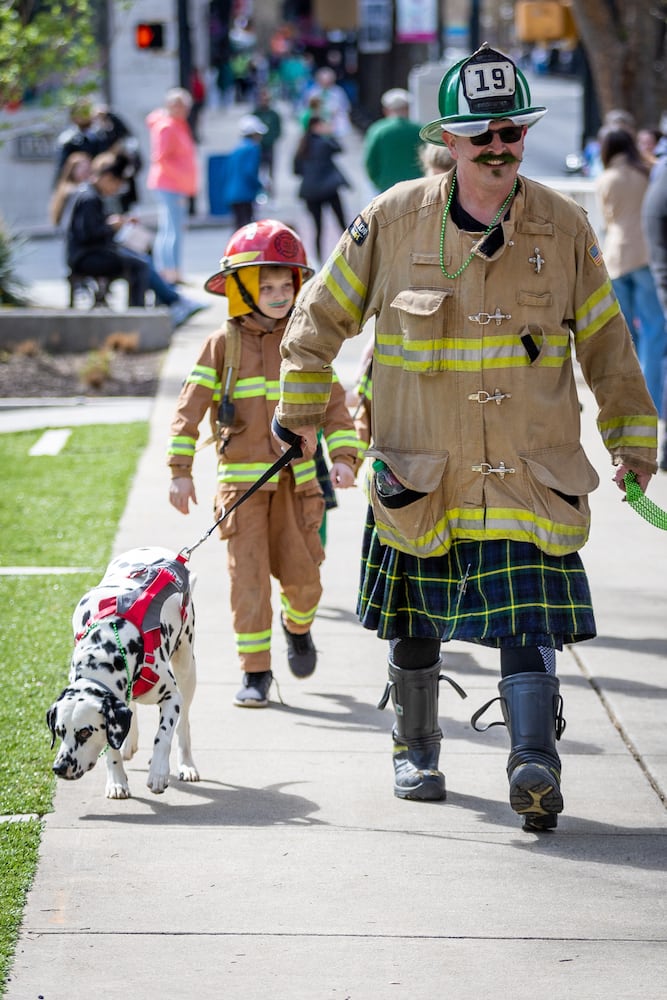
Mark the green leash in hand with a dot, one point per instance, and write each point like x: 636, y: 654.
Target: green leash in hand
x: 641, y: 503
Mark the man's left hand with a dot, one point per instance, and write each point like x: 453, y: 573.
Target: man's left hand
x: 643, y: 478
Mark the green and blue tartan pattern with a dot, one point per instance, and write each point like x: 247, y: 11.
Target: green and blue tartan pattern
x: 498, y: 593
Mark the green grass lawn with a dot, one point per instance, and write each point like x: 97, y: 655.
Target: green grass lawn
x: 60, y: 510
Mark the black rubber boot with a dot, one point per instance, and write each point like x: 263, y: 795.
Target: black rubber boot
x: 533, y: 711
x: 417, y: 735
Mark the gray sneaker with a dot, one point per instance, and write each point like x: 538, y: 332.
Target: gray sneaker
x: 255, y: 690
x: 301, y: 652
x: 183, y: 309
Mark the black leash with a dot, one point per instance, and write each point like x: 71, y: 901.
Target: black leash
x: 294, y: 451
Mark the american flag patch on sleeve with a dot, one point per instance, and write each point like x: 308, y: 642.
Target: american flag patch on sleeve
x: 595, y: 254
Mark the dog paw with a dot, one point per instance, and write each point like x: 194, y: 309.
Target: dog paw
x: 188, y: 772
x: 114, y: 790
x: 158, y: 783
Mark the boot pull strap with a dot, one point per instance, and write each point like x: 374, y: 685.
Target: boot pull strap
x: 457, y: 687
x: 385, y: 695
x: 560, y: 721
x: 480, y: 711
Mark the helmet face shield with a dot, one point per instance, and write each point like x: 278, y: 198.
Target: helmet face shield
x: 261, y: 243
x: 485, y: 87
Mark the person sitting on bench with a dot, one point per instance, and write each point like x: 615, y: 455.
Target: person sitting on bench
x: 92, y: 248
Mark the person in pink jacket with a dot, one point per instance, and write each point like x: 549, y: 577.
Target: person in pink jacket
x: 173, y: 175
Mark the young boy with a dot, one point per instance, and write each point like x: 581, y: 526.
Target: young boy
x: 275, y: 532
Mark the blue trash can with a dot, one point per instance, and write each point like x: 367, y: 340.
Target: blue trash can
x: 218, y: 166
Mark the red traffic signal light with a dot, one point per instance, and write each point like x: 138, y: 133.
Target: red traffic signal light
x: 149, y: 35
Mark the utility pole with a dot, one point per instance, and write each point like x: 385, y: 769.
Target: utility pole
x: 184, y: 44
x: 474, y: 25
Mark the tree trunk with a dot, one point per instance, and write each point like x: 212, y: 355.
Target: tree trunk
x: 625, y: 45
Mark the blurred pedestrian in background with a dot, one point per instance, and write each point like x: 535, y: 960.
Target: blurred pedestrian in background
x: 115, y: 136
x: 92, y: 247
x: 173, y: 175
x: 434, y: 159
x: 243, y: 180
x: 621, y: 188
x: 75, y: 172
x: 335, y: 104
x: 198, y: 93
x: 81, y: 136
x: 654, y: 225
x: 391, y: 144
x: 321, y: 178
x: 266, y: 112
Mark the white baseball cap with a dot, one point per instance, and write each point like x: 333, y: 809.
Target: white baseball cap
x: 396, y: 98
x: 252, y: 125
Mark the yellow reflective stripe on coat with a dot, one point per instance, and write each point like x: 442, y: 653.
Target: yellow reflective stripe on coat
x: 466, y: 354
x: 596, y: 311
x: 483, y: 525
x: 182, y: 446
x: 248, y: 388
x: 629, y: 432
x: 344, y: 285
x: 203, y: 375
x: 253, y: 642
x: 245, y: 473
x: 298, y: 617
x: 231, y: 473
x: 306, y: 387
x: 304, y: 472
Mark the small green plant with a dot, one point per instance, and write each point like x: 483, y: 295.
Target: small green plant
x: 12, y: 289
x: 96, y: 369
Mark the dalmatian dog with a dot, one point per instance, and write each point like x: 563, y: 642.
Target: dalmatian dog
x: 134, y: 640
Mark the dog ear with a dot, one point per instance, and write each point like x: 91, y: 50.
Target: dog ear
x: 118, y: 718
x: 51, y: 723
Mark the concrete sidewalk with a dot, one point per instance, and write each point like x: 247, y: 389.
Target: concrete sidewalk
x: 290, y: 871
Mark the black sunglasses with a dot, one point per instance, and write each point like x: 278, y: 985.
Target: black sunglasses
x: 511, y: 133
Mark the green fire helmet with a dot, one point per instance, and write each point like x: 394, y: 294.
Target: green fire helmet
x: 485, y: 87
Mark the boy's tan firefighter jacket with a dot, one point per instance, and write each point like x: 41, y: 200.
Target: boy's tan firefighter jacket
x: 247, y: 448
x: 474, y: 395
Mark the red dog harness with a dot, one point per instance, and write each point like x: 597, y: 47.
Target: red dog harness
x: 142, y: 606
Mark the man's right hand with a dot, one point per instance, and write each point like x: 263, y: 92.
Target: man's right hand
x: 181, y: 492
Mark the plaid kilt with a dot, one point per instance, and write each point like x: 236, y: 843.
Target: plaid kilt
x: 497, y: 593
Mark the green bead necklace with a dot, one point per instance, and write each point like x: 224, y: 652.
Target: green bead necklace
x: 488, y: 230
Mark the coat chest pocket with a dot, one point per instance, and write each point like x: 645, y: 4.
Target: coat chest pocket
x: 423, y: 322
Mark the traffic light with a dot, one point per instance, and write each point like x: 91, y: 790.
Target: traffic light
x: 149, y: 35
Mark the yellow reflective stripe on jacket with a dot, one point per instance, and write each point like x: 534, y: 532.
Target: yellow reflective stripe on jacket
x: 597, y: 310
x: 342, y: 439
x: 482, y: 525
x: 629, y: 432
x: 253, y: 642
x: 203, y: 375
x: 304, y: 472
x: 231, y: 473
x: 182, y: 446
x: 306, y: 387
x: 298, y: 617
x: 346, y: 288
x: 236, y: 473
x: 247, y: 388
